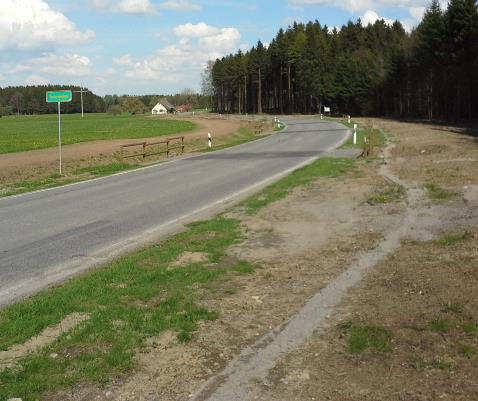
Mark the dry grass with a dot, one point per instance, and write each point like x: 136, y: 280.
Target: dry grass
x: 426, y: 153
x: 411, y: 332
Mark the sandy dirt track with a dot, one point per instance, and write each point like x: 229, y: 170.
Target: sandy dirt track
x: 303, y: 244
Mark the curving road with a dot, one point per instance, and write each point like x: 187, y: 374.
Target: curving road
x: 50, y: 235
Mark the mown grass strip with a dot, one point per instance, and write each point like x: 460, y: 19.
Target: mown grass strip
x: 106, y: 169
x: 243, y: 135
x: 55, y: 180
x: 324, y: 167
x: 128, y: 301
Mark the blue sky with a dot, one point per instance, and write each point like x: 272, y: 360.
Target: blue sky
x: 155, y: 46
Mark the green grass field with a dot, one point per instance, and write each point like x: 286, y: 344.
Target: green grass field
x: 22, y: 133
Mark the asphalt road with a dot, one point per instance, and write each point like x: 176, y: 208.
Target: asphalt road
x: 50, y: 235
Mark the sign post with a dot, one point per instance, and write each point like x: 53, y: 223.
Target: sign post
x: 59, y: 97
x: 81, y: 91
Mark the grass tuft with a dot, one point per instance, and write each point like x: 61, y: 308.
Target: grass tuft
x: 453, y: 308
x: 440, y: 325
x: 468, y: 351
x: 470, y: 328
x: 362, y: 337
x: 419, y: 363
x: 454, y: 238
x: 437, y: 193
x: 391, y: 193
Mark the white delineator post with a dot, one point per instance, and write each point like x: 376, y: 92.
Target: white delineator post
x: 59, y: 133
x: 321, y: 116
x: 209, y: 140
x: 355, y: 134
x: 349, y: 119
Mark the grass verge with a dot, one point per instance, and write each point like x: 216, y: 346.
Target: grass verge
x: 128, y: 301
x: 325, y: 167
x: 55, y: 180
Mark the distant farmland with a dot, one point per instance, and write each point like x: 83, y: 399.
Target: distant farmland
x: 23, y: 133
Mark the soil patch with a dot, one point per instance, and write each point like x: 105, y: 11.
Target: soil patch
x: 188, y: 258
x: 423, y: 295
x: 9, y: 357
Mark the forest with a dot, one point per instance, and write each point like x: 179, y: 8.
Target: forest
x: 379, y: 69
x: 23, y: 100
x: 32, y: 100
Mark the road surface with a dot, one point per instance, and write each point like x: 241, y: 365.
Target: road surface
x: 50, y: 235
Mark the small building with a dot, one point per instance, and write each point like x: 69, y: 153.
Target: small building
x: 163, y: 107
x: 184, y: 108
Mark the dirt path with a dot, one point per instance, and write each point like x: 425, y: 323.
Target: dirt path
x: 249, y: 371
x: 12, y: 163
x: 279, y: 334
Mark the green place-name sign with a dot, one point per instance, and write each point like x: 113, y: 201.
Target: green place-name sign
x: 59, y: 96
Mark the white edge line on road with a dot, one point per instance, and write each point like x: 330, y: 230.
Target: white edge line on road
x: 60, y: 273
x: 159, y: 164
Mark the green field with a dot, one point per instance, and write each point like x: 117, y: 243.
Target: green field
x: 22, y: 133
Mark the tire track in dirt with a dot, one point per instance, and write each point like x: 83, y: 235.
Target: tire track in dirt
x: 241, y: 379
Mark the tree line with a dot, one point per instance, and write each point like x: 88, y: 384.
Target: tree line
x: 32, y: 100
x: 144, y: 103
x: 20, y: 100
x: 379, y: 69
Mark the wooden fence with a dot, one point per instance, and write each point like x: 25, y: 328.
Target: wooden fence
x: 147, y: 149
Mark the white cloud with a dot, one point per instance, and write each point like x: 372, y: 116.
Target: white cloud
x: 125, y: 6
x: 136, y: 7
x: 183, y: 62
x: 199, y: 30
x: 417, y: 12
x: 124, y: 60
x: 370, y: 17
x: 180, y: 5
x: 30, y: 24
x: 51, y: 64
